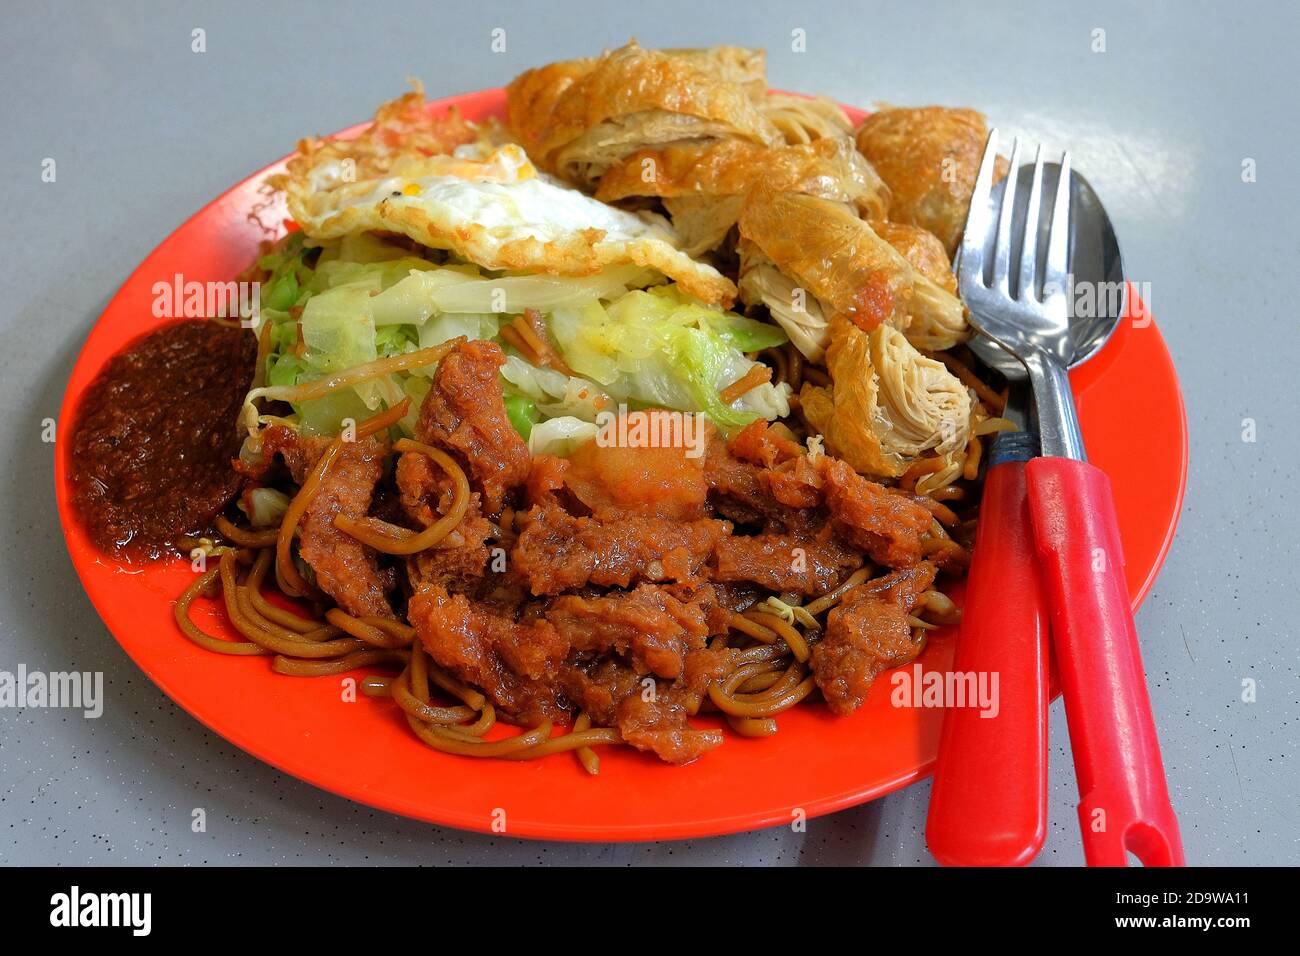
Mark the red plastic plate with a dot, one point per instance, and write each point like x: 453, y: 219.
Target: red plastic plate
x: 363, y: 750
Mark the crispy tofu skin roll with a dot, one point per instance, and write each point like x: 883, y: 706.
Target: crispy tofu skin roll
x: 929, y: 156
x: 801, y: 315
x: 577, y: 119
x: 533, y: 95
x: 921, y: 248
x: 802, y: 120
x: 887, y: 403
x: 936, y: 323
x: 831, y: 256
x: 703, y: 186
x: 734, y: 64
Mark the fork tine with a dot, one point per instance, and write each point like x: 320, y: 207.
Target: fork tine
x: 971, y: 254
x: 1055, y: 277
x: 1028, y: 286
x: 1002, y: 247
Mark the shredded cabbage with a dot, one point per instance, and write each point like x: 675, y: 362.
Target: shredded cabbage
x: 560, y: 436
x: 472, y: 325
x: 555, y: 393
x: 338, y: 330
x: 449, y: 290
x: 523, y: 414
x: 660, y: 348
x: 325, y: 415
x: 265, y: 507
x: 363, y: 298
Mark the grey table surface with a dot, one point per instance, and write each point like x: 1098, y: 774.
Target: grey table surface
x: 144, y: 130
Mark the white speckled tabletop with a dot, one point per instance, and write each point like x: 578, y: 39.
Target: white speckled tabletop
x: 144, y: 131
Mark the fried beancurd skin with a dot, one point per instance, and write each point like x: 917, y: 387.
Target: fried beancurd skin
x: 887, y: 403
x: 921, y: 248
x: 703, y: 185
x: 578, y: 119
x: 837, y: 265
x: 929, y: 156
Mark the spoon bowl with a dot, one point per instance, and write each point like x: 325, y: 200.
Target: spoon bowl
x: 1097, y: 297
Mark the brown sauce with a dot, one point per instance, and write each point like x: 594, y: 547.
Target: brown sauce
x: 154, y: 437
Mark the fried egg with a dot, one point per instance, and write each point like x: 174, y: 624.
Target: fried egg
x: 488, y: 204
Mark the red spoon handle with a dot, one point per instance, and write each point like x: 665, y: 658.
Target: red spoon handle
x: 988, y: 804
x: 1124, y: 803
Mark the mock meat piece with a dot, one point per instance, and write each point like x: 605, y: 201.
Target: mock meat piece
x: 805, y: 563
x: 867, y: 633
x: 649, y: 715
x: 464, y: 413
x: 345, y: 569
x: 557, y: 551
x: 515, y: 663
x: 890, y: 527
x: 460, y: 561
x: 650, y: 626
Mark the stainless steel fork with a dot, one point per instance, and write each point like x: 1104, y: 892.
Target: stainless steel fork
x: 1025, y: 310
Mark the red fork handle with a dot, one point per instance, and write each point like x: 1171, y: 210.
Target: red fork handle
x: 988, y: 803
x: 1123, y: 799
